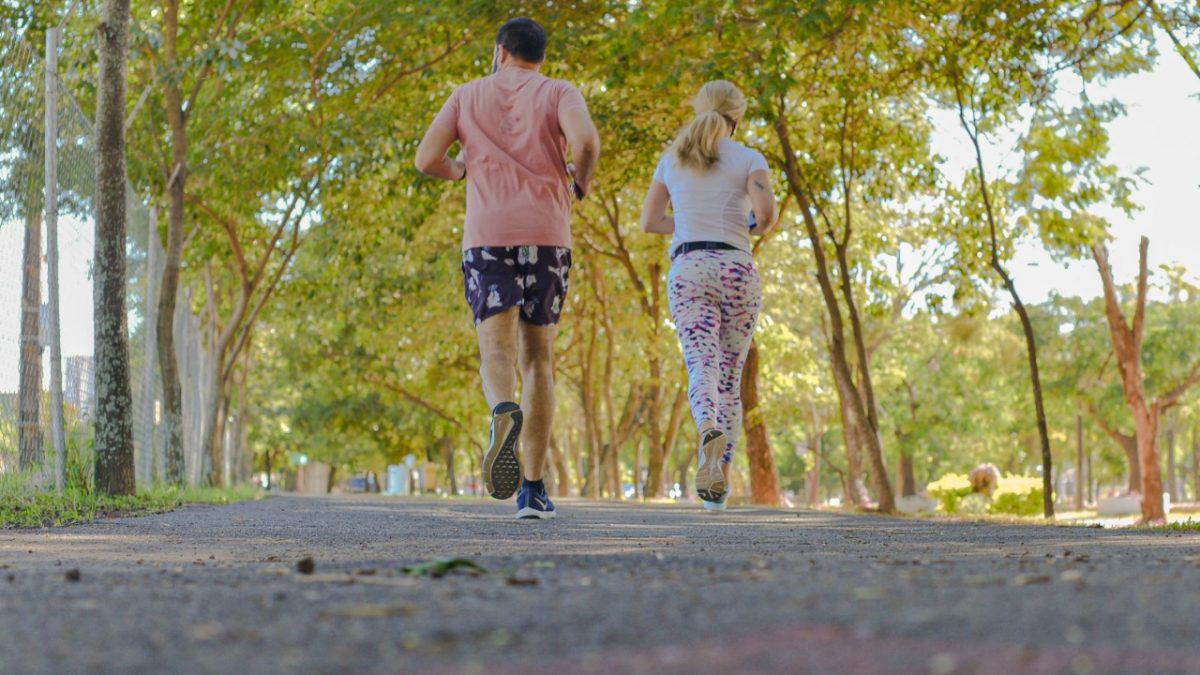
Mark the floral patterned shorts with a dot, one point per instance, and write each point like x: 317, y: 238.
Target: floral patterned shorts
x: 533, y: 278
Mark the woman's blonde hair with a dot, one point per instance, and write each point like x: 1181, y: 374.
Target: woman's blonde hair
x: 719, y: 106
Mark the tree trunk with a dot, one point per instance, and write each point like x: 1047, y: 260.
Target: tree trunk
x: 1127, y: 347
x: 447, y: 446
x: 908, y: 480
x: 558, y: 464
x: 587, y: 401
x: 168, y: 364
x: 1038, y: 403
x: 1026, y: 324
x: 1172, y: 488
x: 764, y: 475
x: 1128, y: 443
x: 812, y: 480
x: 1195, y: 467
x: 854, y: 488
x: 574, y: 459
x: 852, y: 403
x: 685, y: 470
x: 1152, y: 484
x: 866, y: 388
x: 654, y: 439
x: 614, y: 471
x: 658, y: 472
x: 214, y: 424
x: 1078, y: 462
x: 1093, y: 488
x: 1130, y: 448
x: 114, y: 400
x: 29, y: 426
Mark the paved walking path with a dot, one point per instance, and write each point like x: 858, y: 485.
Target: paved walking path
x: 607, y: 588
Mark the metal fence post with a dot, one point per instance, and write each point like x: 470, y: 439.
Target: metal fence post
x: 57, y: 432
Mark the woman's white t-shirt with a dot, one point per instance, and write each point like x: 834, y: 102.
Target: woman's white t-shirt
x: 712, y: 205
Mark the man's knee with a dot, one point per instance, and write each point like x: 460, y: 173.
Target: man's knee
x: 536, y: 355
x: 536, y: 360
x: 490, y: 359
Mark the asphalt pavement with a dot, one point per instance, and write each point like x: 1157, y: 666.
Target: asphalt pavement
x: 351, y: 584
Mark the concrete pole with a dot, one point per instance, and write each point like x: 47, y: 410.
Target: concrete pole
x: 149, y: 323
x: 57, y: 431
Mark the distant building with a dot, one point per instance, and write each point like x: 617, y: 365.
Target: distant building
x: 79, y: 383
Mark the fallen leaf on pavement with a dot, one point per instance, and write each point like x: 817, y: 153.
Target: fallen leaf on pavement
x: 440, y: 568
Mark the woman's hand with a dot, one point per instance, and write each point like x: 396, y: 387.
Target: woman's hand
x: 762, y: 200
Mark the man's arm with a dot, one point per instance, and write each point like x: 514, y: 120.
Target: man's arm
x: 584, y: 141
x: 431, y: 154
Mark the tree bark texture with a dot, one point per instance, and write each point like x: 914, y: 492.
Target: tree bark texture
x: 1127, y: 347
x: 114, y: 400
x: 764, y: 475
x: 168, y: 363
x: 1128, y: 443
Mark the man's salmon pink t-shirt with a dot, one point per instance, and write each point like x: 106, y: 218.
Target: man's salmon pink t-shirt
x: 518, y: 191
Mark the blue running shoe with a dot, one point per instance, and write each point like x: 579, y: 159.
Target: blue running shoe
x: 501, y: 463
x: 533, y: 502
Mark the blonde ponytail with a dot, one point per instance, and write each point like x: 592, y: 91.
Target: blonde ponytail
x: 719, y: 107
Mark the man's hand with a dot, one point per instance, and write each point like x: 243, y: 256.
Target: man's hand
x: 580, y: 191
x: 585, y: 148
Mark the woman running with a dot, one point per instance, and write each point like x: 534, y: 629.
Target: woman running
x: 712, y: 183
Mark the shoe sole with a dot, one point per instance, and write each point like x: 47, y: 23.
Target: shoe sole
x: 501, y: 466
x: 530, y: 513
x: 710, y: 480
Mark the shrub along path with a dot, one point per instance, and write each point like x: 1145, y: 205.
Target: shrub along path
x: 606, y: 588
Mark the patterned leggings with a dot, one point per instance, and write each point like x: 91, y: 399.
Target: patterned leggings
x: 715, y: 298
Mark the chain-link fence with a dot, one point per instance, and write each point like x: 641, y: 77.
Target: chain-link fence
x: 33, y: 374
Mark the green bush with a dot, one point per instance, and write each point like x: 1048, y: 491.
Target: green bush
x: 1014, y: 496
x: 949, y: 491
x: 1018, y: 496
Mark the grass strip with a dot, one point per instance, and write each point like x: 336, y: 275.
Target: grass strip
x: 25, y: 507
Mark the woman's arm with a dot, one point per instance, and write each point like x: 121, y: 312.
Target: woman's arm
x: 655, y: 218
x: 762, y: 200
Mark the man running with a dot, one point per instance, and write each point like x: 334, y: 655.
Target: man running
x: 515, y: 127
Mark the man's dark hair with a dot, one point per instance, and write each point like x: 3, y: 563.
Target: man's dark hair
x: 524, y: 39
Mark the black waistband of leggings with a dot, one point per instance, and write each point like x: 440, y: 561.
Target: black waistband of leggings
x: 687, y: 246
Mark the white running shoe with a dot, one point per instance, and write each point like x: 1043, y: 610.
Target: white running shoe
x: 710, y: 479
